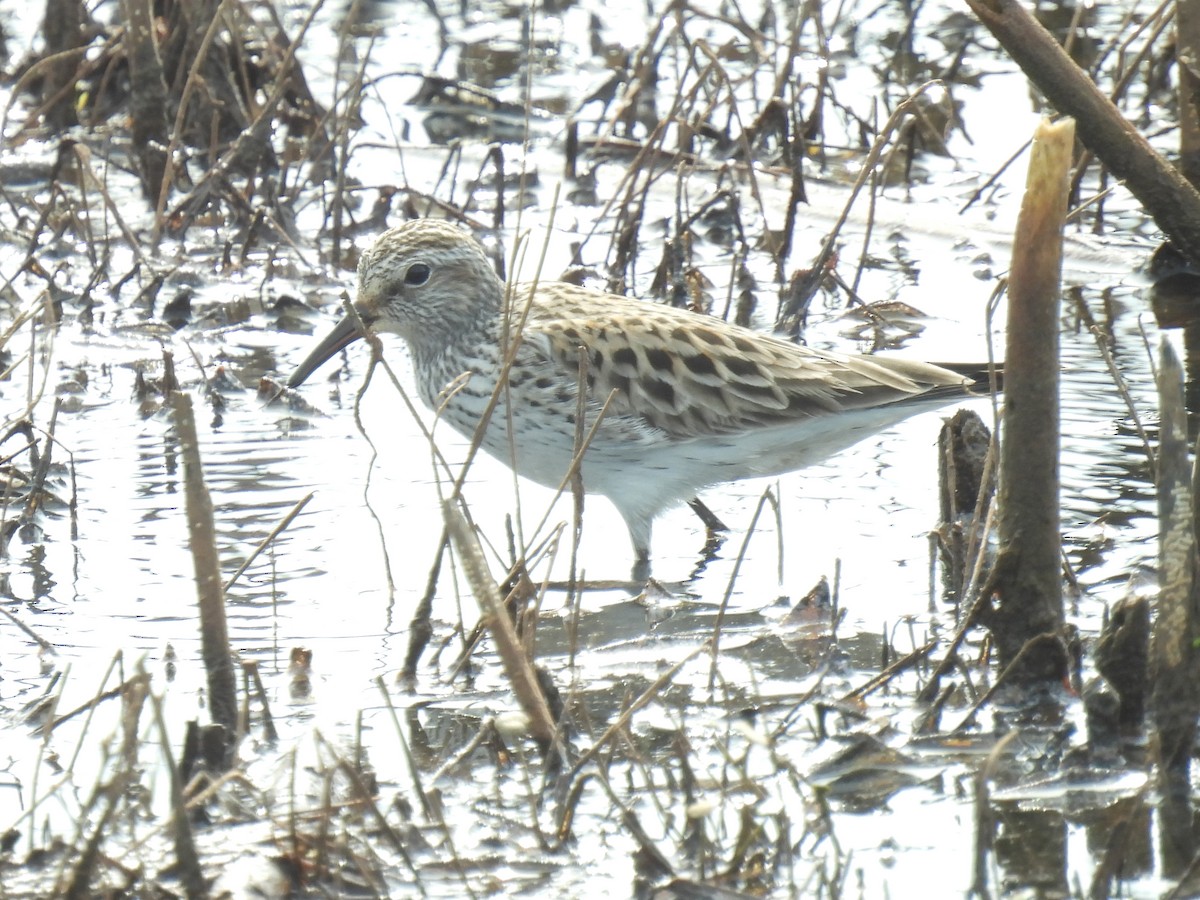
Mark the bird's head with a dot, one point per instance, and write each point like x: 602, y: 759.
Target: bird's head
x: 426, y: 280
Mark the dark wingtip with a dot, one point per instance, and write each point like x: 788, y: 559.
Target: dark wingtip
x: 342, y: 335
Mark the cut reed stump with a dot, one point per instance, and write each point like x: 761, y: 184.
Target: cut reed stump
x: 1024, y: 591
x: 1122, y: 658
x: 966, y: 483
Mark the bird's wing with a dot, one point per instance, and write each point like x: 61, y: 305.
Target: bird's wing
x: 690, y: 375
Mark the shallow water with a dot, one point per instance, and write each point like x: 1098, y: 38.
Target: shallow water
x: 125, y: 582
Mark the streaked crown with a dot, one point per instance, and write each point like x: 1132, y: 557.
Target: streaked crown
x: 427, y: 281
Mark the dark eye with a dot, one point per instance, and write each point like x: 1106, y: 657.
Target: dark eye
x: 417, y: 274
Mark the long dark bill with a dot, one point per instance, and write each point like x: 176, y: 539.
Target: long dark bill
x: 343, y: 335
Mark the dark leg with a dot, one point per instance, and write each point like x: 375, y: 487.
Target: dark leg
x: 707, y: 516
x: 641, y: 566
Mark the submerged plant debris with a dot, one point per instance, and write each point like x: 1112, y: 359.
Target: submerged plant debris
x: 186, y: 189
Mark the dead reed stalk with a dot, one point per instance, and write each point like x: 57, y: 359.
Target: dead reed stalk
x: 1025, y: 588
x: 214, y: 632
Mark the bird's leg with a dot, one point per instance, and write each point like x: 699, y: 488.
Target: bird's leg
x: 639, y: 537
x: 641, y: 567
x: 707, y: 516
x: 714, y: 539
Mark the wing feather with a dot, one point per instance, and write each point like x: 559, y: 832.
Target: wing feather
x: 692, y: 376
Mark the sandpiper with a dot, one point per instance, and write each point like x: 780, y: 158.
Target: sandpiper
x: 684, y: 400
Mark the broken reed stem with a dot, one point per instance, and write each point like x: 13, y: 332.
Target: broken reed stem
x: 1123, y: 389
x: 508, y: 644
x: 43, y: 754
x: 112, y: 794
x: 214, y: 633
x: 39, y: 70
x: 429, y: 807
x: 511, y: 335
x: 974, y: 605
x: 87, y: 177
x: 372, y: 341
x: 420, y: 628
x: 252, y: 686
x: 622, y: 721
x: 187, y: 858
x: 1026, y: 582
x: 91, y: 706
x: 768, y: 496
x: 1042, y: 651
x: 985, y: 817
x: 44, y: 645
x: 1173, y: 657
x: 893, y: 669
x: 266, y: 542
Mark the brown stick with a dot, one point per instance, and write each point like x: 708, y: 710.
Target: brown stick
x: 1162, y: 190
x: 214, y: 633
x: 1026, y: 583
x: 1173, y: 657
x: 508, y: 645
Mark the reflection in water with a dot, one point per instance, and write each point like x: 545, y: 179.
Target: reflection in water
x: 317, y: 610
x: 1175, y: 297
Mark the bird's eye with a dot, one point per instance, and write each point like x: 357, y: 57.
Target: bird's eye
x: 417, y: 274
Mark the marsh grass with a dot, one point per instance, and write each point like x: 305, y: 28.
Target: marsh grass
x: 722, y: 753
